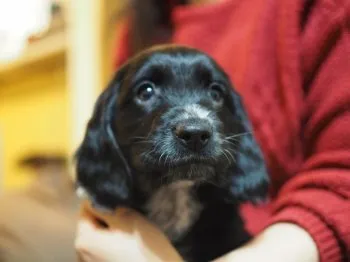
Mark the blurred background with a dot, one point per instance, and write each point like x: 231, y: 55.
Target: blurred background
x: 55, y: 58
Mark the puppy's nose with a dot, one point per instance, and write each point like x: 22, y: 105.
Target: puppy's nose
x: 194, y: 136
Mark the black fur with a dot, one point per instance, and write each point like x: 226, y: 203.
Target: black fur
x: 130, y: 151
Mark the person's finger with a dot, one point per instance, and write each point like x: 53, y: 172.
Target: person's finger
x: 91, y: 240
x: 122, y: 217
x: 94, y: 244
x: 85, y: 227
x: 85, y: 257
x: 84, y: 235
x: 87, y: 231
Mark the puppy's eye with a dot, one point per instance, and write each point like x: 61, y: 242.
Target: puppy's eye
x: 216, y: 92
x: 145, y: 91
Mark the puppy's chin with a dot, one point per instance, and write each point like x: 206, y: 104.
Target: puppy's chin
x: 150, y: 159
x: 167, y: 169
x: 197, y: 172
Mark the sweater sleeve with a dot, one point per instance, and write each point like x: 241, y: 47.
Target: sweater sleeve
x: 318, y: 197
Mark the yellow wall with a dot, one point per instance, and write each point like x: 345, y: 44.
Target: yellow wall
x: 33, y: 118
x: 35, y: 106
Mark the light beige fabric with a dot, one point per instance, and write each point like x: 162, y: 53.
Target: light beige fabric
x: 38, y: 224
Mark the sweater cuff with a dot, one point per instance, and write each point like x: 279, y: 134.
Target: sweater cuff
x: 327, y: 244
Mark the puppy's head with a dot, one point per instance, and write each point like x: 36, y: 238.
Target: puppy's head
x: 169, y: 114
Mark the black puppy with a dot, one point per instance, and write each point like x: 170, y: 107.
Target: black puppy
x: 170, y: 138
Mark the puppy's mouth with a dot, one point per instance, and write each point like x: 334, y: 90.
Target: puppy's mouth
x: 168, y: 161
x: 192, y: 160
x: 156, y: 159
x: 197, y: 172
x: 173, y: 164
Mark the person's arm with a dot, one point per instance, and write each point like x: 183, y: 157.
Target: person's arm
x: 280, y: 242
x: 317, y: 199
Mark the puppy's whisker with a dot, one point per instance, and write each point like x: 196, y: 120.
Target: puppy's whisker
x: 147, y: 154
x: 160, y: 158
x: 166, y: 158
x: 142, y: 142
x: 238, y: 135
x: 150, y: 152
x: 231, y: 142
x: 228, y: 159
x: 140, y: 137
x: 228, y: 152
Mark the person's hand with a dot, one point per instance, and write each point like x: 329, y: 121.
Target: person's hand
x: 280, y: 242
x: 122, y: 236
x: 127, y: 236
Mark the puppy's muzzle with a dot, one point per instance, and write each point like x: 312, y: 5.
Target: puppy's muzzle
x: 195, y: 134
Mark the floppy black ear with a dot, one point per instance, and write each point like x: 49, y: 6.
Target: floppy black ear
x: 102, y: 171
x: 250, y: 179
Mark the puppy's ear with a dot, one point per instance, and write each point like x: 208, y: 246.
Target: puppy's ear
x: 102, y: 171
x: 250, y: 179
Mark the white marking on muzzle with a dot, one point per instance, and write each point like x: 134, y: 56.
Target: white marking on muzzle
x: 197, y: 111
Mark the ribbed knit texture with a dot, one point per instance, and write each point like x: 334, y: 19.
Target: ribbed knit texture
x: 293, y: 72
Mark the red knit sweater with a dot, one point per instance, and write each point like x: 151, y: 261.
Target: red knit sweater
x: 291, y: 63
